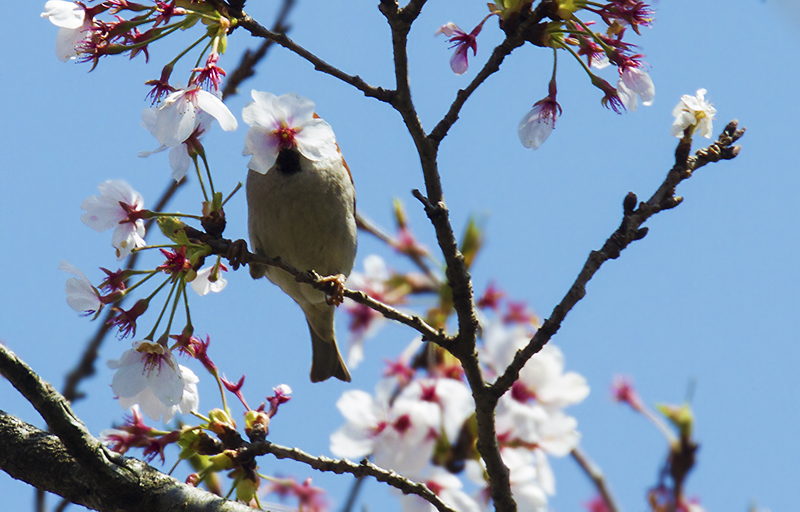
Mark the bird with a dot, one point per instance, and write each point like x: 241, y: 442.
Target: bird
x: 301, y: 209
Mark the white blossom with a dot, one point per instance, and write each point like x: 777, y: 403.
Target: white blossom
x: 452, y: 396
x: 365, y: 320
x: 179, y: 157
x: 278, y: 122
x: 536, y: 125
x: 106, y: 211
x: 694, y: 111
x: 202, y: 284
x: 70, y: 18
x: 81, y: 295
x: 149, y: 375
x: 635, y: 81
x: 177, y: 116
x: 400, y: 436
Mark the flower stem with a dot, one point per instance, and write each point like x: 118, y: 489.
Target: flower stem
x: 235, y: 189
x: 200, y: 177
x: 164, y: 309
x: 208, y: 172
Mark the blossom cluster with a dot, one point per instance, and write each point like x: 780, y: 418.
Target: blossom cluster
x: 420, y: 421
x: 566, y: 31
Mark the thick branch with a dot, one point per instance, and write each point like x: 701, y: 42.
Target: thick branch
x: 629, y: 231
x: 75, y: 465
x: 339, y: 466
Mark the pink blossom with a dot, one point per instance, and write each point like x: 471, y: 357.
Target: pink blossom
x: 462, y: 42
x: 536, y: 125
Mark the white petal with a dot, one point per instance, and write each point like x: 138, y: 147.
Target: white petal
x: 175, y: 119
x: 129, y: 380
x: 316, y: 141
x: 260, y: 143
x: 260, y: 112
x: 533, y: 130
x: 358, y: 408
x: 351, y: 443
x: 202, y: 284
x: 212, y: 105
x: 64, y: 14
x: 299, y: 111
x: 179, y: 161
x: 191, y: 398
x: 627, y: 96
x: 67, y: 41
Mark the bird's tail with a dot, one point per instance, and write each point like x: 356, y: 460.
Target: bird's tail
x: 326, y: 361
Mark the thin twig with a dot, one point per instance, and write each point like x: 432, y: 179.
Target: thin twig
x: 629, y: 231
x: 339, y: 466
x: 250, y: 59
x: 358, y: 483
x: 252, y: 26
x: 237, y: 253
x: 596, y: 475
x: 367, y: 225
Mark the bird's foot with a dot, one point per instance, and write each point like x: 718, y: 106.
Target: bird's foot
x: 235, y: 253
x: 334, y: 290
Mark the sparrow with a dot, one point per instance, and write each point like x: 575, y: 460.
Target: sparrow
x: 301, y: 207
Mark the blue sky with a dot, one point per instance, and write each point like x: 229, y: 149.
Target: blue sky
x: 710, y: 296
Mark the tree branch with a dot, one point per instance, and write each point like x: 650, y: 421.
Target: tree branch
x: 339, y: 466
x: 629, y: 231
x: 596, y: 475
x: 237, y: 254
x: 252, y: 26
x: 250, y: 59
x: 78, y: 467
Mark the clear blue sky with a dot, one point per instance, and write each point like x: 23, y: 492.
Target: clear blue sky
x: 710, y: 296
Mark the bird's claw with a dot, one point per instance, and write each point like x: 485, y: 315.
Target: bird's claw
x: 236, y: 250
x: 335, y: 289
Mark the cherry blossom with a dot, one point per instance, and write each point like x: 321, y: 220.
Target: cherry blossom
x: 120, y: 207
x: 452, y: 396
x: 635, y: 81
x: 365, y: 321
x: 177, y: 116
x: 543, y: 378
x: 70, y: 18
x: 180, y: 155
x: 462, y: 42
x: 400, y: 436
x: 536, y: 125
x: 694, y: 111
x: 149, y: 375
x: 281, y: 122
x: 203, y: 284
x: 81, y: 295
